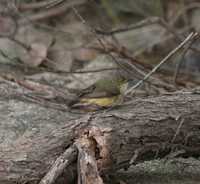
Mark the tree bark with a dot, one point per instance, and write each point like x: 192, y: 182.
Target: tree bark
x: 32, y: 136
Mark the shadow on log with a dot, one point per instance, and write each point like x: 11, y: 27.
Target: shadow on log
x: 33, y: 137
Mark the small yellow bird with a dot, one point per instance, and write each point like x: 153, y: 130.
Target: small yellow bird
x: 103, y: 94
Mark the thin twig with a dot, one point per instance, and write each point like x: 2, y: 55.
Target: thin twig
x: 189, y: 37
x: 59, y: 9
x: 178, y: 66
x: 60, y: 164
x: 87, y: 71
x: 178, y: 130
x: 38, y: 5
x: 137, y: 25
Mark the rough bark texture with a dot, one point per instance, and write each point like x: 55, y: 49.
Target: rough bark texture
x: 32, y: 137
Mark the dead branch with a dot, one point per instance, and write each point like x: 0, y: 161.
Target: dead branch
x: 139, y: 131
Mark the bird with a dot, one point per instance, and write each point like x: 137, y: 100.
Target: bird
x: 104, y: 93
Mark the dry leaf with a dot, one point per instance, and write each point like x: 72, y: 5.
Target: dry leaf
x: 35, y: 56
x: 7, y: 26
x: 85, y: 54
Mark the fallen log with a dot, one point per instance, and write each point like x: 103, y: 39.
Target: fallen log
x: 32, y: 137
